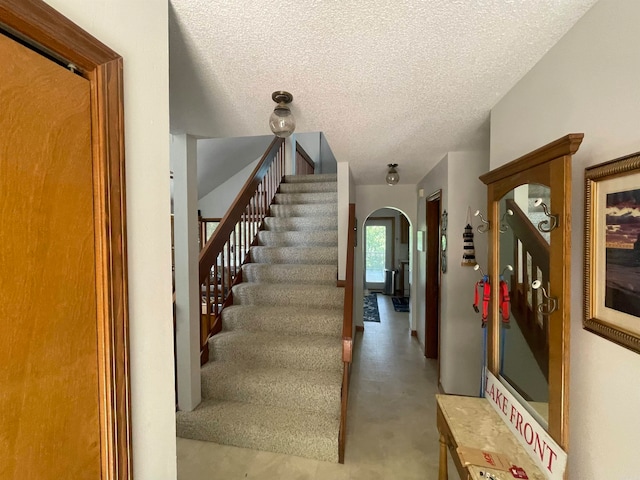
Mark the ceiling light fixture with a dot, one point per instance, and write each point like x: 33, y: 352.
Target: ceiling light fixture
x: 392, y: 175
x: 281, y: 122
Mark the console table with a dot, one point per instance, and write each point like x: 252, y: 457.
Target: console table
x: 472, y: 422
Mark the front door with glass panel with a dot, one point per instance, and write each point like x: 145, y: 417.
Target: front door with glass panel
x: 378, y: 246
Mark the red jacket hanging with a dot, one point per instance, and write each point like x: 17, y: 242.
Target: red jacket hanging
x: 504, y: 301
x: 486, y: 298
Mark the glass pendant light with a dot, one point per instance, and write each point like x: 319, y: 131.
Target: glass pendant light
x: 392, y: 175
x: 281, y: 122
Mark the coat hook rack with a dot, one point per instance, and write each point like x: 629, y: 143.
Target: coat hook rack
x: 553, y: 219
x: 551, y: 304
x: 486, y: 224
x: 503, y: 224
x: 507, y: 268
x: 477, y: 268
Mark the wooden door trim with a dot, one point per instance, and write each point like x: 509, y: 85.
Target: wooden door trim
x: 40, y: 26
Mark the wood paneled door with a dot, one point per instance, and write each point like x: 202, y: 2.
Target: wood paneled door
x: 64, y: 384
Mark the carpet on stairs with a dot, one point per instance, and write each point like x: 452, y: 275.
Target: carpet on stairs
x: 274, y: 377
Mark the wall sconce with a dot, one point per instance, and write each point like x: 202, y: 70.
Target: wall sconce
x: 281, y: 121
x: 392, y: 175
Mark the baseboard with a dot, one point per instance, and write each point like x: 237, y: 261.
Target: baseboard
x: 341, y: 283
x: 414, y: 333
x: 359, y: 328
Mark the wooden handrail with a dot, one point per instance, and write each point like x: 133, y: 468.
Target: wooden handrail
x: 214, y: 246
x: 347, y: 330
x: 227, y: 250
x: 347, y: 325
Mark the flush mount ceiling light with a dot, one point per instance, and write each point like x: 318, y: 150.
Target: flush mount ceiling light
x: 392, y: 175
x: 281, y: 122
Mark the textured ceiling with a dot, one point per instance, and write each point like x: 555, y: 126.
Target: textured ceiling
x: 401, y: 81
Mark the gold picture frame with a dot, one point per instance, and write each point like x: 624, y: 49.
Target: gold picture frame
x: 612, y: 251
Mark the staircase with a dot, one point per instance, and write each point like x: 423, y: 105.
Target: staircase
x: 274, y: 378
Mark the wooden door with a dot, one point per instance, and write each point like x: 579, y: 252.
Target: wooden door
x: 49, y: 397
x: 432, y: 300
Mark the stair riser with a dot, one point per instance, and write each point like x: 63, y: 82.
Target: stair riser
x: 298, y: 239
x: 322, y: 177
x: 305, y: 198
x: 284, y: 224
x: 287, y: 273
x: 316, y: 187
x: 317, y: 398
x: 249, y: 436
x: 258, y: 294
x: 311, y: 210
x: 295, y: 255
x: 290, y: 321
x: 280, y: 356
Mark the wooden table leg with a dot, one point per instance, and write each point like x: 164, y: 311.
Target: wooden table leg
x: 443, y: 474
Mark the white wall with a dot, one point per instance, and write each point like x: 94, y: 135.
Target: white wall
x: 138, y: 31
x: 370, y: 198
x: 587, y: 83
x: 460, y: 327
x: 216, y: 203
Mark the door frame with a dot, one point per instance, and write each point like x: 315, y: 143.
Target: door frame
x: 390, y: 255
x: 433, y: 278
x: 45, y: 30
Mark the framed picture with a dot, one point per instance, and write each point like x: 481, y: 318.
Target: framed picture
x: 612, y: 251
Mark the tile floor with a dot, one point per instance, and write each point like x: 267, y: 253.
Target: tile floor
x: 391, y: 431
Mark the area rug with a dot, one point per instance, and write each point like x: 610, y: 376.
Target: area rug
x: 400, y: 304
x: 371, y: 313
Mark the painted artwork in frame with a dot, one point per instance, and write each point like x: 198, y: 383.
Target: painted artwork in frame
x: 612, y: 251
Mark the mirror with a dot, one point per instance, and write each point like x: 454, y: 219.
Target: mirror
x: 529, y: 229
x: 524, y: 265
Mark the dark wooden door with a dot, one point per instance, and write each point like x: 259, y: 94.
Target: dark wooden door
x: 432, y: 293
x: 49, y: 392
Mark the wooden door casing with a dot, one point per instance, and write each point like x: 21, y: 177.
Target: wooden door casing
x: 37, y: 24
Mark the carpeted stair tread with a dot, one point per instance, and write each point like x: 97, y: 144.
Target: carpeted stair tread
x: 290, y: 273
x: 283, y: 320
x: 288, y: 294
x: 305, y: 210
x: 305, y: 197
x: 318, y: 177
x: 263, y: 427
x: 326, y: 238
x: 307, y: 255
x: 309, y: 187
x: 276, y: 387
x: 283, y: 224
x: 266, y: 349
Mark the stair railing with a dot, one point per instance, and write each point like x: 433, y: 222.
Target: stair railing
x: 224, y: 253
x: 531, y: 254
x: 347, y: 330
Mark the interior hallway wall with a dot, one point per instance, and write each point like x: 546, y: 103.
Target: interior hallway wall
x: 138, y: 30
x: 588, y: 82
x: 460, y: 328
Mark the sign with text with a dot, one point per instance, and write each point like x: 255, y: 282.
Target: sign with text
x: 551, y: 459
